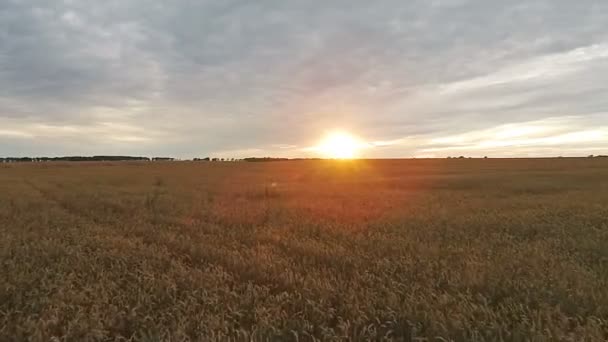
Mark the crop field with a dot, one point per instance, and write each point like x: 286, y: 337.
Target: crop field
x: 404, y: 250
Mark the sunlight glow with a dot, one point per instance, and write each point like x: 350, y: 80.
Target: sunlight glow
x: 340, y: 145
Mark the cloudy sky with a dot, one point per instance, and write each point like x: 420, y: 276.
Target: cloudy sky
x: 232, y: 78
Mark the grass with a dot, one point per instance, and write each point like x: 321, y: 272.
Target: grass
x: 406, y: 250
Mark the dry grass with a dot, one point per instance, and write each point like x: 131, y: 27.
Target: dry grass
x: 478, y: 250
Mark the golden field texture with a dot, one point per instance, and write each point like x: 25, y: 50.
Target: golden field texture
x: 404, y: 250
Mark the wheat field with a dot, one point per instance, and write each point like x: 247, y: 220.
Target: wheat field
x: 403, y: 250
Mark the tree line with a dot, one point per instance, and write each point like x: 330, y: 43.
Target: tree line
x: 73, y: 158
x: 134, y: 158
x: 153, y: 159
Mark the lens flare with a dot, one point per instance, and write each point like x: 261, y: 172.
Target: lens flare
x: 340, y: 145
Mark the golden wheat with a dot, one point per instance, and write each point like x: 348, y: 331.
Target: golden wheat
x: 437, y: 250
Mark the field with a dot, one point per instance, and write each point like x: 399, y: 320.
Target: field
x: 437, y: 250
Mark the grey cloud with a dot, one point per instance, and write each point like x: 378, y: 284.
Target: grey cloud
x: 244, y: 76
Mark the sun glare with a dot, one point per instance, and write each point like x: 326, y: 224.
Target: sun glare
x: 340, y: 145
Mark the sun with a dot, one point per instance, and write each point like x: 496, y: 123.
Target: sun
x: 340, y: 145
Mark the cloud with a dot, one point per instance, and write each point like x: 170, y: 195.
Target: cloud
x: 562, y: 135
x: 193, y: 78
x: 545, y: 69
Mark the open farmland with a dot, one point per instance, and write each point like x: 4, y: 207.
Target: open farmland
x: 467, y: 249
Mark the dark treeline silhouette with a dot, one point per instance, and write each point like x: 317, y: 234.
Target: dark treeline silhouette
x: 72, y: 158
x: 206, y: 159
x: 270, y: 159
x: 264, y: 159
x: 215, y: 159
x: 131, y: 158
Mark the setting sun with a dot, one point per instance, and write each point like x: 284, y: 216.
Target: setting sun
x: 340, y: 145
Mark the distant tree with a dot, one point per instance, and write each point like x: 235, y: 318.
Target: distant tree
x: 461, y: 157
x: 265, y: 159
x: 74, y: 158
x: 18, y: 159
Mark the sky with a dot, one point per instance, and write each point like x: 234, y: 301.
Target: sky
x: 238, y: 78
